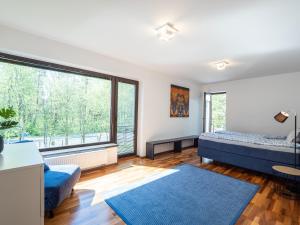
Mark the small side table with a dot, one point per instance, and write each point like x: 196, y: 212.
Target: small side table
x: 291, y: 186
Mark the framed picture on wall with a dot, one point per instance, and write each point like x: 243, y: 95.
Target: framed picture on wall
x: 180, y: 100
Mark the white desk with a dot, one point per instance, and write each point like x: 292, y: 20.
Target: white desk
x: 21, y: 185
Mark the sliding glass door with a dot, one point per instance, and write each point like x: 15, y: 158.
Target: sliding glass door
x: 214, y: 112
x: 127, y: 116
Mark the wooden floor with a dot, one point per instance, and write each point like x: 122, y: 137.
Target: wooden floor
x: 86, y: 205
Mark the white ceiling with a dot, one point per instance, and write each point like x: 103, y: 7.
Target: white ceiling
x: 259, y: 37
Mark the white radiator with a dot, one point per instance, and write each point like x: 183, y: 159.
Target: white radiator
x: 86, y: 160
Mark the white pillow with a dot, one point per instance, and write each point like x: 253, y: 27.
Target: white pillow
x: 291, y: 136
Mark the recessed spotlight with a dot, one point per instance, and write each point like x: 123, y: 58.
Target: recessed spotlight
x: 221, y: 65
x: 166, y: 32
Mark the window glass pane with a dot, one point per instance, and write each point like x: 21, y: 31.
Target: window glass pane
x: 55, y: 108
x: 126, y: 118
x: 218, y: 112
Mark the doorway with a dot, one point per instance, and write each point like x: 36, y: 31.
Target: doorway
x: 127, y: 103
x: 214, y: 111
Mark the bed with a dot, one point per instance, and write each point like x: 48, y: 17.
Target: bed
x: 251, y: 151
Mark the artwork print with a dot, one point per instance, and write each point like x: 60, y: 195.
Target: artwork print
x: 180, y: 97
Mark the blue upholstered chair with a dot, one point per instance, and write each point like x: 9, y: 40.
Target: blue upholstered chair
x: 59, y: 181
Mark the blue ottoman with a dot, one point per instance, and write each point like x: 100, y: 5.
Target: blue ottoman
x: 59, y: 181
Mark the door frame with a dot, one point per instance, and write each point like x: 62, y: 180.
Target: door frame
x: 115, y: 119
x: 205, y: 106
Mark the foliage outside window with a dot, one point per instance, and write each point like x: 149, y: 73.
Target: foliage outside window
x: 56, y: 109
x: 218, y: 112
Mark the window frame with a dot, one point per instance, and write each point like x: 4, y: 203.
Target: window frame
x: 24, y: 61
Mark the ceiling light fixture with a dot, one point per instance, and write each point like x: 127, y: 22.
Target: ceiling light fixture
x: 222, y: 65
x: 166, y: 32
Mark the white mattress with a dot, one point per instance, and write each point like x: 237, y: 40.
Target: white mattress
x: 265, y: 147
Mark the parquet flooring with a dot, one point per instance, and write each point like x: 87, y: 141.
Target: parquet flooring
x: 87, y: 207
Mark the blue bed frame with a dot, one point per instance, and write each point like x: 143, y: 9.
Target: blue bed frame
x: 256, y: 159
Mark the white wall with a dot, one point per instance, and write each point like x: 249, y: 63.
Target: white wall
x: 154, y: 91
x: 252, y: 103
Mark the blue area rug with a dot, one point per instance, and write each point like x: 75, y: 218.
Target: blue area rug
x: 188, y: 196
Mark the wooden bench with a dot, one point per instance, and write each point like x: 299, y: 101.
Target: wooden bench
x: 177, y: 144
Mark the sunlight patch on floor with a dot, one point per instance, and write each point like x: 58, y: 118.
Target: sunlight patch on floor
x: 121, y: 181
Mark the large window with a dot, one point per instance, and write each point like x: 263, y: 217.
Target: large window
x: 59, y: 107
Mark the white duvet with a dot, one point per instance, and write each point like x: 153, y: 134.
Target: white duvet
x: 248, y: 138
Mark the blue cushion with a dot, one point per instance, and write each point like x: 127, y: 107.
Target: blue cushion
x: 59, y: 181
x: 46, y: 167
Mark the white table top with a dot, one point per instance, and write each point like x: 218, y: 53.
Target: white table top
x: 20, y: 155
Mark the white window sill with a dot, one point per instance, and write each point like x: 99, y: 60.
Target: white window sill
x: 69, y: 151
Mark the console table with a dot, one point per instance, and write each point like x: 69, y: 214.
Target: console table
x: 177, y: 144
